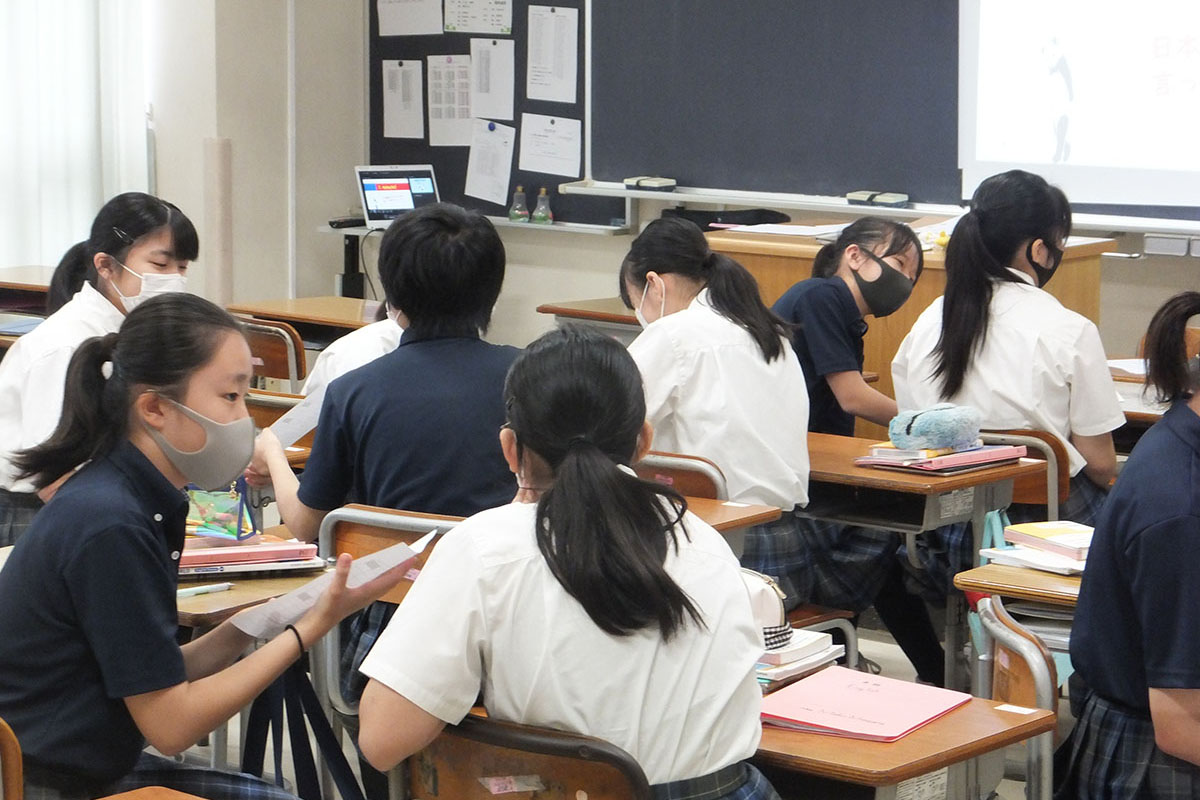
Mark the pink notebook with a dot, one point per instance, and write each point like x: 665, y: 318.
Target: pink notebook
x: 845, y: 702
x: 246, y: 553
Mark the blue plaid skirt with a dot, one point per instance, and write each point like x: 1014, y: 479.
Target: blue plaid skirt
x: 359, y: 632
x: 821, y: 562
x: 950, y: 549
x: 152, y: 770
x: 1111, y: 754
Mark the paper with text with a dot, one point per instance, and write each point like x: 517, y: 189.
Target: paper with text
x: 269, y: 619
x: 409, y: 17
x: 449, y: 100
x: 403, y: 109
x: 551, y: 144
x: 301, y: 419
x: 553, y: 57
x: 479, y: 16
x: 489, y: 166
x: 492, y: 81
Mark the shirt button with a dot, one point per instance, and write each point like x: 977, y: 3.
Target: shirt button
x: 174, y: 555
x: 158, y: 517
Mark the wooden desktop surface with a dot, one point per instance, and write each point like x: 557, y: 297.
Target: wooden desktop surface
x: 330, y: 311
x: 725, y: 516
x: 968, y: 731
x: 209, y: 610
x: 26, y: 278
x: 1021, y: 583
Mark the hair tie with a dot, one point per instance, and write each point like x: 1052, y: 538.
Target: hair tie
x: 578, y: 441
x: 107, y: 369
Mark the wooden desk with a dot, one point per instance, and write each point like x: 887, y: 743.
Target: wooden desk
x: 25, y: 288
x: 793, y: 758
x: 319, y: 320
x: 1021, y: 583
x: 209, y: 610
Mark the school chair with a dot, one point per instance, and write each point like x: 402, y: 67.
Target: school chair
x: 277, y: 351
x: 1033, y: 490
x: 1022, y: 672
x: 481, y: 757
x: 12, y: 777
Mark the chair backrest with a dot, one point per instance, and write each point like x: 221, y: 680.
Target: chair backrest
x: 361, y: 530
x: 1191, y: 343
x: 265, y: 407
x: 11, y: 770
x: 481, y: 757
x: 1052, y: 491
x: 277, y: 350
x: 1023, y: 670
x: 693, y: 476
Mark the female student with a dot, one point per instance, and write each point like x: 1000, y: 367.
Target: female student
x: 139, y: 246
x: 1136, y: 689
x: 89, y: 668
x: 600, y: 607
x: 997, y: 341
x: 870, y: 270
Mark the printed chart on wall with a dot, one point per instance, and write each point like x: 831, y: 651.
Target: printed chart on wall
x: 488, y: 91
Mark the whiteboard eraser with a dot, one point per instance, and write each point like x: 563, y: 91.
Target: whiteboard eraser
x: 1165, y: 244
x: 651, y: 183
x: 866, y: 197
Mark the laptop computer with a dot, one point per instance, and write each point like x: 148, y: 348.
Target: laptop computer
x: 389, y: 191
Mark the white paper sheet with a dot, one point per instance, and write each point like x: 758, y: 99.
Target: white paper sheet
x: 269, y: 619
x: 299, y: 420
x: 403, y: 111
x: 449, y: 100
x: 792, y: 230
x: 409, y: 17
x: 489, y: 167
x: 553, y: 53
x: 551, y: 144
x: 1132, y: 366
x: 479, y: 16
x: 492, y: 81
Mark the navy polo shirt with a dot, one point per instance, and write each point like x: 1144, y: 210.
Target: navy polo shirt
x: 88, y: 616
x: 828, y: 338
x: 1138, y: 620
x: 416, y: 429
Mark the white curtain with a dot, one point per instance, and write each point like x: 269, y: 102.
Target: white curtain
x: 72, y: 92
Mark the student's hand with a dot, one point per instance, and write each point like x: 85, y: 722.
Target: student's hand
x: 258, y: 473
x: 340, y: 601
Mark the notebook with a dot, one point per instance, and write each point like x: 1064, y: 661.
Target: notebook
x: 389, y: 191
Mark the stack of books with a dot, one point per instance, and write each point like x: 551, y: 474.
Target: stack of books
x: 943, y: 461
x: 1060, y: 546
x: 805, y: 652
x: 203, y: 556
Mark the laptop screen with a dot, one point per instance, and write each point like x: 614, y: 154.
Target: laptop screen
x: 387, y: 192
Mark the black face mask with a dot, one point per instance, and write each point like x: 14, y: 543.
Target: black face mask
x: 886, y: 293
x: 1044, y: 274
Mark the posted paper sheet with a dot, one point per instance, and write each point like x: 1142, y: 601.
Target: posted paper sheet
x: 553, y: 53
x: 492, y: 82
x: 551, y: 144
x: 449, y: 100
x: 403, y: 111
x: 479, y: 16
x: 409, y: 17
x: 489, y: 166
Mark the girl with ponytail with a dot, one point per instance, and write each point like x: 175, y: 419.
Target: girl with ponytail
x: 1135, y: 641
x: 139, y: 246
x: 90, y: 671
x: 598, y: 582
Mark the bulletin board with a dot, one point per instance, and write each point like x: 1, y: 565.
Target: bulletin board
x: 450, y: 162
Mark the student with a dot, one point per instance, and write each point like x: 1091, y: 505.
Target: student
x: 1136, y: 689
x: 355, y: 349
x: 89, y: 667
x: 870, y: 270
x: 997, y: 341
x: 601, y: 606
x: 134, y: 235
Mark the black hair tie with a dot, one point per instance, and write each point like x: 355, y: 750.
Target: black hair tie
x: 578, y: 441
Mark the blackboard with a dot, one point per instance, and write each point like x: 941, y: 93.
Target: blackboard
x: 450, y: 163
x: 779, y: 95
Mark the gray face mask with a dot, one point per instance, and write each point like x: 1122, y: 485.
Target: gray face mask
x: 228, y: 448
x: 886, y: 293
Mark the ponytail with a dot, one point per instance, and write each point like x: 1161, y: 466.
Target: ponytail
x: 1168, y: 368
x: 1006, y: 211
x: 160, y: 344
x: 69, y: 276
x: 676, y: 245
x: 575, y: 399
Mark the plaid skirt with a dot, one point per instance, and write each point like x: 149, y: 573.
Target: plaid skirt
x: 152, y: 770
x: 1111, y: 754
x: 822, y: 562
x: 359, y: 632
x: 950, y: 549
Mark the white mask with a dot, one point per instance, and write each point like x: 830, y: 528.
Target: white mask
x: 662, y: 309
x: 153, y: 284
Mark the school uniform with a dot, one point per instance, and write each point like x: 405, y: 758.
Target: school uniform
x: 32, y: 381
x: 1040, y: 367
x: 349, y: 352
x: 491, y: 616
x: 416, y: 429
x: 1137, y: 624
x: 88, y: 618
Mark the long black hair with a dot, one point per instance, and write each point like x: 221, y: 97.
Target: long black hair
x: 120, y: 223
x: 673, y: 244
x: 160, y: 344
x: 1168, y: 368
x: 868, y: 233
x: 1006, y: 211
x: 574, y: 397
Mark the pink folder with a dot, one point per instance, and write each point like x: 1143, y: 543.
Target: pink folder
x: 246, y: 553
x: 845, y: 702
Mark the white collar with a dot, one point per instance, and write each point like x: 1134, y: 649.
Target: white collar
x: 1024, y: 276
